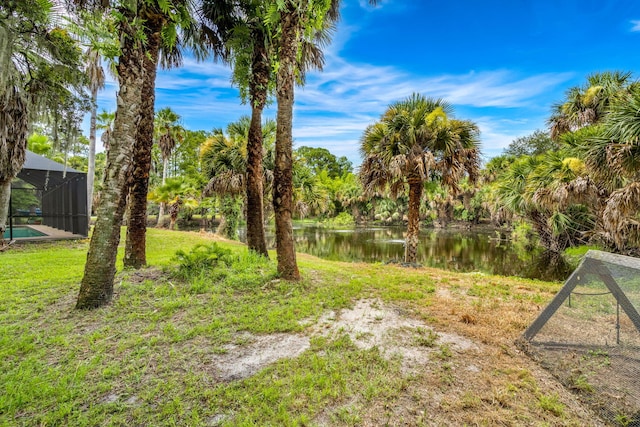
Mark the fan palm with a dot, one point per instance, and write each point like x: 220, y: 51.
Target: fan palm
x: 96, y: 77
x: 414, y: 142
x: 224, y: 162
x: 96, y: 288
x: 93, y: 31
x: 168, y: 133
x: 251, y: 55
x: 588, y: 104
x: 175, y: 193
x: 169, y: 26
x: 615, y: 156
x: 292, y: 25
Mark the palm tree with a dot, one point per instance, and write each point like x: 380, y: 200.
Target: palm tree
x: 169, y: 133
x: 96, y: 288
x: 163, y: 29
x: 224, y: 163
x: 95, y: 74
x: 309, y: 196
x: 613, y: 155
x: 93, y: 32
x: 224, y: 159
x: 104, y: 122
x: 414, y: 142
x: 588, y: 104
x: 250, y: 55
x: 175, y: 193
x: 293, y: 24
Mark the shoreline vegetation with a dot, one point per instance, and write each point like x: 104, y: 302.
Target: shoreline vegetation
x: 378, y: 344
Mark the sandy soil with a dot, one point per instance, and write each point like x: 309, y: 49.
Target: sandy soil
x: 481, y: 371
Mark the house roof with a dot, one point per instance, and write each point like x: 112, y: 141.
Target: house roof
x: 38, y: 162
x: 44, y: 173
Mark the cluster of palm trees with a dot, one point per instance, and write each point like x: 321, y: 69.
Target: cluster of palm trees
x: 270, y: 45
x: 585, y: 188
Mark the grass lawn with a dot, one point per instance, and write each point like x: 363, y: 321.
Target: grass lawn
x: 155, y: 355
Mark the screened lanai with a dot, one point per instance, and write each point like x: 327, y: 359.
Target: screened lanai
x: 44, y: 194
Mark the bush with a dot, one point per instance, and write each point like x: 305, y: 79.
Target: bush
x: 202, y: 258
x: 343, y: 218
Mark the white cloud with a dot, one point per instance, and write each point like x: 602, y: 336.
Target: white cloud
x: 636, y: 25
x: 335, y: 106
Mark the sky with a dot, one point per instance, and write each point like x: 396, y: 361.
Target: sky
x: 500, y: 63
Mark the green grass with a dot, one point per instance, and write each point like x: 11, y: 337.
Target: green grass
x: 147, y: 358
x: 117, y: 365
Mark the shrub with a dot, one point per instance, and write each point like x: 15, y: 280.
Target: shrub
x: 200, y: 259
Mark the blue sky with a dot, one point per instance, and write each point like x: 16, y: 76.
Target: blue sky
x: 500, y: 63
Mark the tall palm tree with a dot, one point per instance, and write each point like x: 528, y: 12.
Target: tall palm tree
x: 96, y: 77
x: 93, y: 31
x: 168, y: 133
x: 291, y: 23
x: 167, y: 30
x: 250, y: 56
x: 224, y: 160
x: 253, y: 53
x: 96, y: 288
x: 415, y: 141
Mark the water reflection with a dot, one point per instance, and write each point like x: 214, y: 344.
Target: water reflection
x: 464, y: 250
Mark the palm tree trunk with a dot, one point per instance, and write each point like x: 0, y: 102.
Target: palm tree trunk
x: 174, y: 209
x: 283, y: 171
x: 256, y: 240
x: 136, y: 241
x: 96, y: 288
x: 5, y: 195
x: 413, y: 227
x: 91, y: 172
x: 13, y: 146
x: 160, y: 221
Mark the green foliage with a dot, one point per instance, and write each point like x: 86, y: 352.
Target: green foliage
x: 318, y: 159
x: 551, y: 403
x: 39, y: 144
x: 201, y: 259
x: 231, y: 210
x: 581, y: 383
x: 523, y: 233
x: 343, y: 219
x: 579, y: 251
x: 426, y: 337
x: 537, y: 143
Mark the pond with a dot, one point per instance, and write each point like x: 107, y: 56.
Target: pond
x: 465, y: 250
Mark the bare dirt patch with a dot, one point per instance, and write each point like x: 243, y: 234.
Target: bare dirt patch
x: 452, y: 379
x: 369, y: 323
x: 242, y: 361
